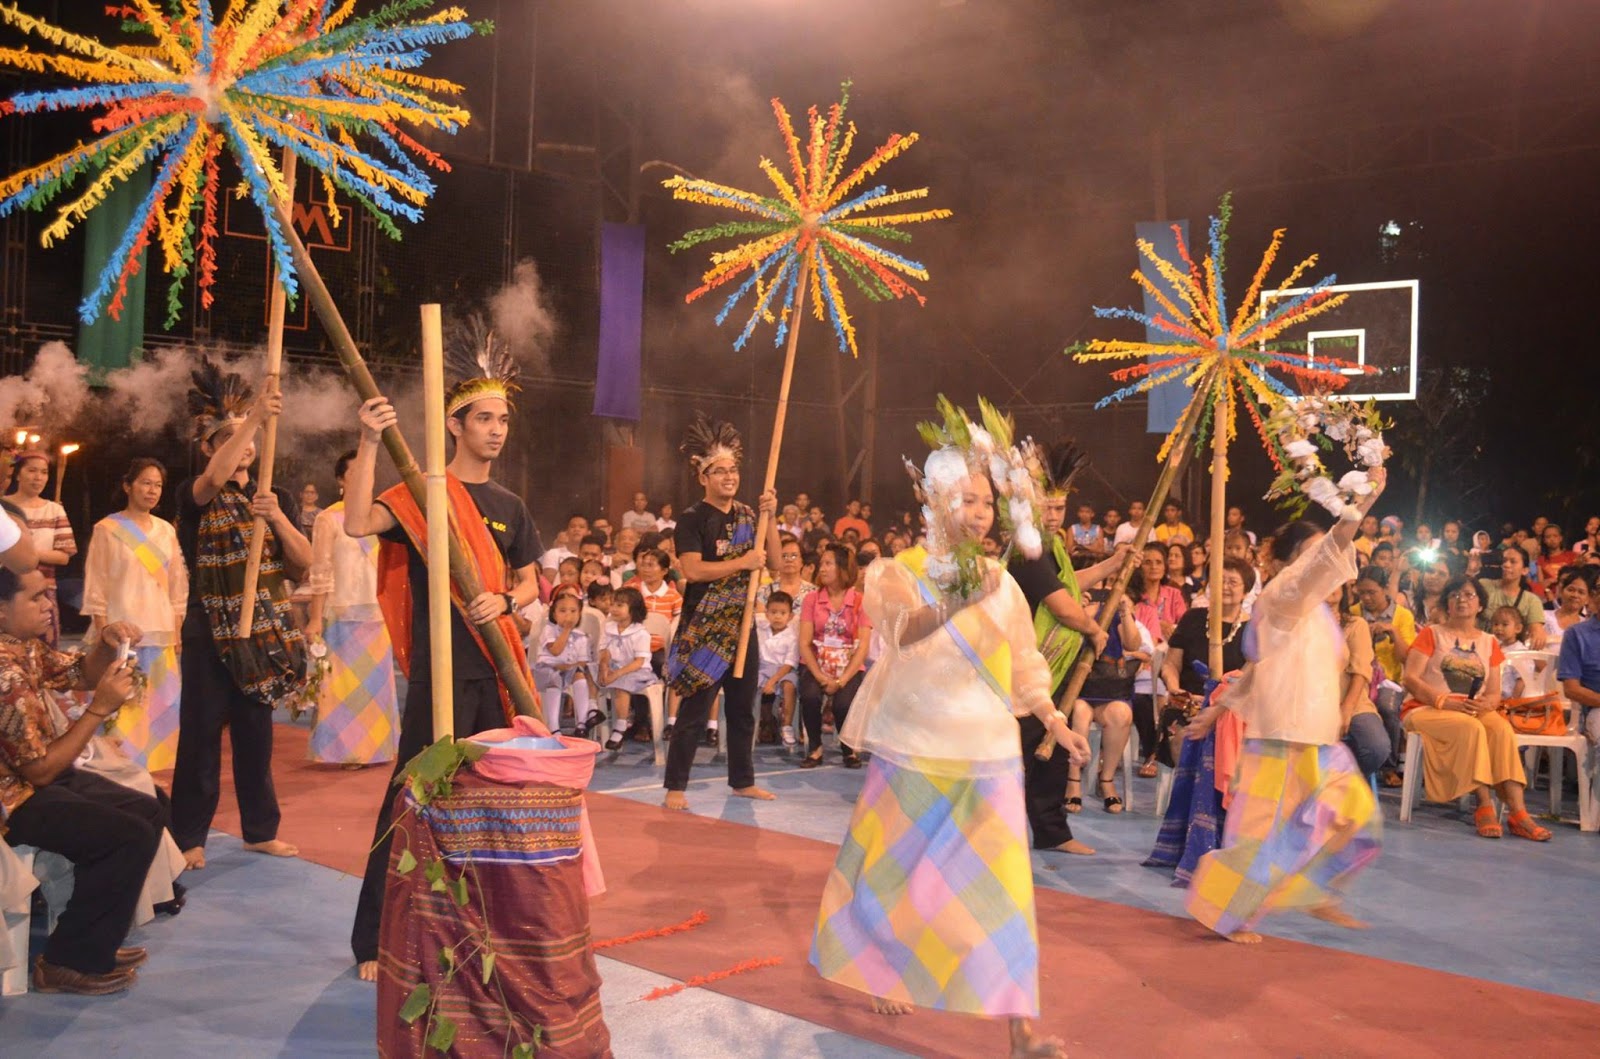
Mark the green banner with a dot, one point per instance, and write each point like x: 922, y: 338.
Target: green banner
x: 107, y: 343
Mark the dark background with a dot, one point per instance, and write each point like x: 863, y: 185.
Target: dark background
x: 1050, y: 127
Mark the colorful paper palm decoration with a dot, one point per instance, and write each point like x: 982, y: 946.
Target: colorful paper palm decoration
x: 819, y: 216
x: 306, y: 75
x: 1226, y: 359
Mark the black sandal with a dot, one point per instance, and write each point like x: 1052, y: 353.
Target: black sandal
x: 1075, y: 803
x: 615, y: 742
x: 590, y: 723
x: 1113, y: 803
x: 811, y: 761
x: 852, y: 760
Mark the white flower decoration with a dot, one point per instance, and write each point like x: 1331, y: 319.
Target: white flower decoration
x: 1370, y: 452
x: 1356, y: 483
x: 1320, y: 491
x: 1299, y: 449
x: 1028, y: 541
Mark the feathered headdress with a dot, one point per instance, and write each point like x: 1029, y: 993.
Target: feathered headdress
x: 1063, y: 462
x: 482, y: 361
x: 217, y: 399
x: 962, y: 448
x: 706, y: 442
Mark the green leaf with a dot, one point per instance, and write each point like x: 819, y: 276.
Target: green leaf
x: 522, y: 1051
x: 447, y: 959
x: 408, y: 863
x: 488, y: 967
x: 443, y: 1035
x: 416, y: 1003
x: 458, y: 890
x: 434, y: 872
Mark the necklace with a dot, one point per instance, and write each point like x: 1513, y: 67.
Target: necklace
x: 1237, y: 623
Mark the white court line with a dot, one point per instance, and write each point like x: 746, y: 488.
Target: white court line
x: 702, y: 779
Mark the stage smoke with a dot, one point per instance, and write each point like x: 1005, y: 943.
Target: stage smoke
x: 523, y: 319
x: 49, y: 396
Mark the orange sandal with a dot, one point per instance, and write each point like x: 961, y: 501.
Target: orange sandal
x: 1523, y: 826
x: 1487, y: 822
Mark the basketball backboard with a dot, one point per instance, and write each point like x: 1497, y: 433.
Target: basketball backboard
x: 1371, y: 338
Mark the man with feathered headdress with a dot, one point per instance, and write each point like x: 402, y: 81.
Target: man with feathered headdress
x: 1054, y: 591
x: 233, y: 677
x: 501, y: 542
x: 716, y: 544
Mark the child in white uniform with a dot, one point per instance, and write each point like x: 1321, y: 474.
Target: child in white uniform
x: 780, y: 655
x: 625, y: 656
x: 562, y: 665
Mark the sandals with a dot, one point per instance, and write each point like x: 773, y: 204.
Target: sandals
x: 590, y: 723
x: 1148, y: 769
x: 1487, y: 822
x: 852, y: 760
x: 1075, y: 803
x: 811, y: 761
x: 1113, y: 803
x: 617, y: 737
x: 1523, y: 826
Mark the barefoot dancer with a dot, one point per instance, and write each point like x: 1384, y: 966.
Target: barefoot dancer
x: 716, y: 543
x: 1060, y: 624
x: 930, y: 902
x: 228, y: 679
x: 1303, y: 820
x: 501, y: 544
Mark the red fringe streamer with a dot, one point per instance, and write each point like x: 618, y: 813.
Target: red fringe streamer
x: 714, y: 976
x: 698, y: 919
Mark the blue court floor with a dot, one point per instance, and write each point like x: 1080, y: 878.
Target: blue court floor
x: 257, y: 964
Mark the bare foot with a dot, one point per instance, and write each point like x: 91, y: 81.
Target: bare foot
x: 760, y: 794
x: 1025, y: 1044
x: 275, y: 848
x: 1244, y: 937
x: 890, y: 1007
x: 1333, y: 913
x: 194, y: 859
x: 676, y: 800
x: 367, y: 970
x: 1072, y: 845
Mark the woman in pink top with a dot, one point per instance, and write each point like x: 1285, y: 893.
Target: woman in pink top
x: 833, y: 638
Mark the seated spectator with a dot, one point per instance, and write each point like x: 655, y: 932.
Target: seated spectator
x: 1391, y: 528
x: 833, y: 639
x: 108, y: 832
x: 666, y: 523
x: 790, y: 522
x: 1392, y: 628
x: 1453, y: 676
x: 1127, y: 531
x: 1106, y: 700
x: 1578, y: 669
x: 1506, y: 626
x: 1572, y: 606
x: 1554, y: 556
x: 1589, y: 544
x: 1450, y: 541
x: 1178, y: 571
x: 1366, y: 538
x: 639, y: 517
x: 1511, y: 589
x: 852, y: 520
x: 1427, y: 601
x: 590, y: 572
x: 560, y: 667
x: 601, y: 528
x: 1191, y: 642
x: 1172, y: 529
x: 1361, y: 727
x: 1200, y: 564
x: 1086, y: 538
x: 1233, y: 522
x: 1158, y: 606
x: 1110, y: 522
x: 780, y: 658
x: 565, y: 544
x: 569, y: 571
x: 625, y: 659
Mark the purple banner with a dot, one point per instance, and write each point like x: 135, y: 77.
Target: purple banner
x: 616, y: 380
x: 1168, y: 400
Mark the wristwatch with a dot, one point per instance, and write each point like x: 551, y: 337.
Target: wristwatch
x: 511, y: 604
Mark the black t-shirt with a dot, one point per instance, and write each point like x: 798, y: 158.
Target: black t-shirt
x: 1038, y: 578
x: 704, y: 530
x: 1194, y: 640
x: 518, y: 540
x: 195, y: 623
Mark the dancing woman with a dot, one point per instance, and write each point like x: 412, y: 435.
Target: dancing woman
x: 930, y: 902
x: 135, y: 574
x: 1303, y: 820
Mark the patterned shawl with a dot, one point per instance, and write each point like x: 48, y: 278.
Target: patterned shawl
x: 270, y: 663
x: 1057, y: 643
x: 706, y: 643
x: 970, y: 626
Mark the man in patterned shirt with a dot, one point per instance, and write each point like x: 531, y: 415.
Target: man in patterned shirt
x: 108, y: 832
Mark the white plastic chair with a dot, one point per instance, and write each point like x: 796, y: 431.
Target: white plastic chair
x: 1543, y: 682
x: 1411, y: 784
x: 16, y: 916
x: 656, y: 695
x: 1128, y: 755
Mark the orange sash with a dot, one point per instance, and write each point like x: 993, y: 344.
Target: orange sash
x: 477, y: 544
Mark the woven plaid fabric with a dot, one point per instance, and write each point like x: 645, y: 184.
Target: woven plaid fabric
x: 1303, y: 822
x: 147, y: 728
x: 705, y: 646
x: 931, y: 899
x: 357, y: 717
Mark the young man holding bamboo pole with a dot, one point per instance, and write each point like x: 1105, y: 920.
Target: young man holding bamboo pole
x: 717, y: 545
x: 231, y: 676
x: 500, y: 539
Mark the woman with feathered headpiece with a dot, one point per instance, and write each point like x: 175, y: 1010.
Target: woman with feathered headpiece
x: 716, y: 544
x: 938, y: 712
x: 231, y: 676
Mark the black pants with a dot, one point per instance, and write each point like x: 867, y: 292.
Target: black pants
x: 477, y: 709
x: 211, y: 699
x: 811, y: 696
x: 739, y: 728
x: 110, y: 834
x: 1044, y: 786
x: 1144, y: 722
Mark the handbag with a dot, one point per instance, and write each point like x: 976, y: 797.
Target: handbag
x: 1110, y: 680
x: 1536, y: 715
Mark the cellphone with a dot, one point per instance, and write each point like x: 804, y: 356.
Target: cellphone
x: 124, y: 652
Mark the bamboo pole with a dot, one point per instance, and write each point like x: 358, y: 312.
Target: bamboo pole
x: 1219, y: 518
x: 501, y: 650
x: 277, y: 306
x: 438, y: 511
x: 1130, y: 562
x: 771, y: 480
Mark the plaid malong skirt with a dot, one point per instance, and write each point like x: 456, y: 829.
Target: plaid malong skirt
x: 931, y: 899
x: 1302, y: 824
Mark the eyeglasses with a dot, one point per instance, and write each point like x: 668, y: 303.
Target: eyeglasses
x: 1465, y: 595
x: 722, y: 472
